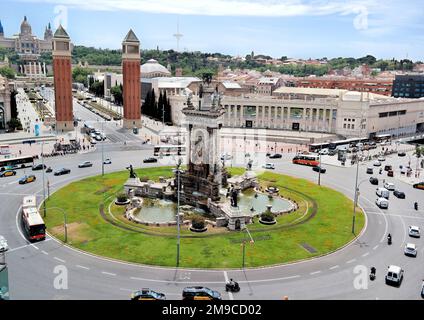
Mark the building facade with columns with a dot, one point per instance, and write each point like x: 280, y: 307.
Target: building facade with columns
x: 5, y: 112
x: 29, y: 47
x: 341, y: 112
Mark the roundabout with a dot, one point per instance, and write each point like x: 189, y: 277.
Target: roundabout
x: 32, y: 266
x: 321, y: 224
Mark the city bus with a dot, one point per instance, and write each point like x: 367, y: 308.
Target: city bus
x: 306, y: 160
x: 16, y: 163
x: 33, y: 223
x: 169, y: 150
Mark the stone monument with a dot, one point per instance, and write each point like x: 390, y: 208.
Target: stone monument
x: 205, y: 173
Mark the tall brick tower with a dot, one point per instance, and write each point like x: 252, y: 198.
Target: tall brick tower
x: 62, y: 70
x: 131, y: 86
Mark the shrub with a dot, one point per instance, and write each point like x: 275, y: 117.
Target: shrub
x: 144, y: 179
x: 198, y: 222
x: 121, y: 197
x: 267, y: 216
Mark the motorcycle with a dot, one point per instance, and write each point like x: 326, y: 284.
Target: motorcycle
x: 372, y: 274
x: 232, y: 286
x: 416, y: 205
x: 389, y: 240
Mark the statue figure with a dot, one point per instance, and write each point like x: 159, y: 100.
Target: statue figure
x: 132, y: 173
x: 234, y: 196
x: 197, y: 154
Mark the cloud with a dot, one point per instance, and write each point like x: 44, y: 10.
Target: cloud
x: 257, y: 8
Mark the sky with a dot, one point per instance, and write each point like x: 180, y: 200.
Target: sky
x: 294, y: 28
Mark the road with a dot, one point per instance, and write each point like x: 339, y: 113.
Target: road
x: 32, y: 266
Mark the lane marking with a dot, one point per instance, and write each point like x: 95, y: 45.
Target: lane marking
x: 44, y: 252
x: 365, y: 254
x: 33, y: 245
x: 109, y: 273
x: 404, y: 232
x: 316, y: 272
x: 82, y: 267
x: 334, y: 267
x: 58, y: 259
x: 375, y: 248
x: 214, y: 282
x: 350, y: 261
x: 230, y: 294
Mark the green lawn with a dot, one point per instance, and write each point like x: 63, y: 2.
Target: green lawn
x: 328, y: 230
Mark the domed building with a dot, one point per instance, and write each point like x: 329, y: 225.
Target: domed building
x: 152, y: 69
x: 28, y: 46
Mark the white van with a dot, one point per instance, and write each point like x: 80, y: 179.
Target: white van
x: 382, y: 193
x: 382, y: 203
x: 394, y: 275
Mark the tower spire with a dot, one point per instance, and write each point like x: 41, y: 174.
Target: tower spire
x: 178, y: 35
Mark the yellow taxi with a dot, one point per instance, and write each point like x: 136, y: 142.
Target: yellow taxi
x: 7, y: 173
x: 27, y: 179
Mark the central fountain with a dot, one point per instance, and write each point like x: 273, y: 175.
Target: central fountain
x: 204, y: 186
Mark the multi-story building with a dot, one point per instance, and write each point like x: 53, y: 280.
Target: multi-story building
x: 408, y: 86
x: 28, y: 47
x: 5, y: 114
x: 341, y: 112
x: 267, y: 85
x: 379, y: 86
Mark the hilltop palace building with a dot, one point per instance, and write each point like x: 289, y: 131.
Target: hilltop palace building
x: 28, y: 47
x: 334, y: 111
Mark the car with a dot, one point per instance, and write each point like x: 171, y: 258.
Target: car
x: 275, y: 156
x: 150, y: 160
x: 226, y: 157
x: 93, y: 141
x: 419, y: 185
x: 399, y: 194
x: 27, y: 179
x: 107, y: 161
x: 7, y: 173
x: 382, y: 193
x: 39, y: 167
x: 370, y: 170
x: 323, y: 152
x: 147, y: 294
x: 414, y: 231
x: 200, y: 293
x: 332, y: 152
x: 401, y: 154
x: 394, y: 275
x: 103, y: 136
x: 62, y: 171
x: 388, y: 168
x: 85, y: 164
x: 319, y: 169
x: 93, y: 135
x: 374, y: 181
x: 98, y: 137
x: 410, y: 250
x: 390, y: 173
x: 376, y: 163
x: 389, y: 186
x: 268, y: 166
x: 382, y: 203
x: 381, y: 159
x: 3, y: 244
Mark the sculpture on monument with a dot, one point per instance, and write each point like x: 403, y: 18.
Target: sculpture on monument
x: 132, y: 173
x: 234, y: 197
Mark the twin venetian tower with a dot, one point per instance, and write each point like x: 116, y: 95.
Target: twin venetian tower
x: 62, y: 69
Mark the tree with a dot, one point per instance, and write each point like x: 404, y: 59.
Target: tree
x: 116, y: 92
x: 7, y: 72
x: 14, y: 124
x: 80, y: 75
x: 97, y: 88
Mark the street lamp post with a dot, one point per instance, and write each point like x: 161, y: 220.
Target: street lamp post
x: 178, y: 212
x: 103, y: 153
x: 64, y: 221
x: 44, y: 185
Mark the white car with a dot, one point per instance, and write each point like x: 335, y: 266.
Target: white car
x: 381, y: 158
x: 226, y: 157
x: 394, y: 275
x: 410, y: 250
x: 414, y: 231
x: 3, y: 244
x: 323, y: 152
x: 107, y: 161
x: 377, y: 164
x: 269, y: 166
x: 389, y: 186
x: 382, y: 203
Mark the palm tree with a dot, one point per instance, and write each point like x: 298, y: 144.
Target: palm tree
x: 419, y: 152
